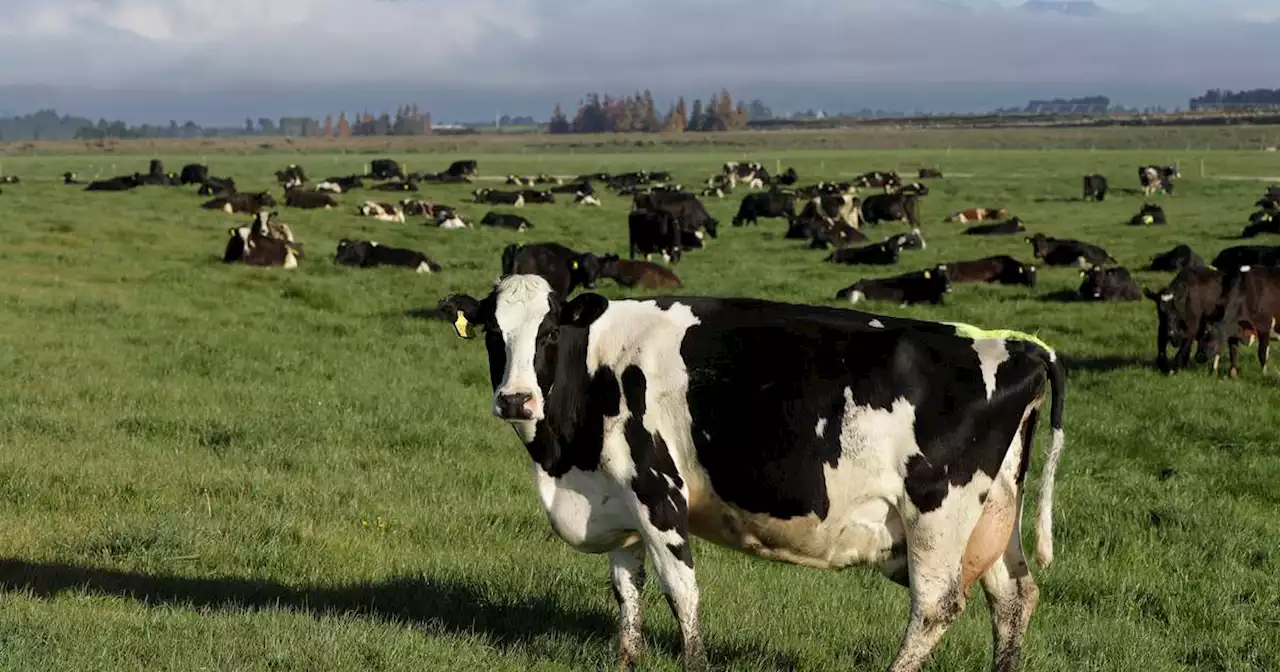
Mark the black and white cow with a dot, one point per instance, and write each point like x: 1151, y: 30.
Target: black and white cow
x: 563, y: 268
x: 877, y: 254
x: 291, y: 174
x: 896, y: 207
x: 395, y: 187
x: 1247, y: 255
x: 252, y: 245
x: 1261, y: 222
x: 1109, y: 284
x: 193, y: 173
x: 462, y: 168
x: 579, y: 187
x: 383, y: 212
x: 842, y: 208
x: 297, y: 197
x: 1184, y: 312
x: 347, y: 183
x: 1180, y: 257
x: 385, y: 169
x: 1157, y: 178
x: 241, y: 203
x: 513, y: 198
x: 927, y: 286
x: 368, y: 254
x: 817, y: 436
x: 217, y: 186
x: 1095, y: 188
x: 888, y: 180
x: 1066, y: 252
x: 536, y: 196
x: 772, y: 204
x: 506, y: 221
x: 70, y: 178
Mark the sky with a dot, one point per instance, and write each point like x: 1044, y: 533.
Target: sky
x: 153, y: 60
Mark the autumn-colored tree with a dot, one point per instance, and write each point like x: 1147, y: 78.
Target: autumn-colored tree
x: 328, y: 127
x: 344, y: 127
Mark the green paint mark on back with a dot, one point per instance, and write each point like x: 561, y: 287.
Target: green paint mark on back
x: 977, y: 334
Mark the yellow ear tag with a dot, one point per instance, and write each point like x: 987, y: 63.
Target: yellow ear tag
x: 1148, y: 219
x: 460, y: 326
x: 575, y: 265
x: 927, y: 275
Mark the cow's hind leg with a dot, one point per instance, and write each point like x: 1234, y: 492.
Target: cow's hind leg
x: 626, y: 570
x: 934, y: 546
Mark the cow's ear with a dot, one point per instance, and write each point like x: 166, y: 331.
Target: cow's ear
x: 584, y: 310
x: 464, y: 312
x: 1154, y: 296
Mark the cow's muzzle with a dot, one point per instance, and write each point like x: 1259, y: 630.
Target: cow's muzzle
x: 519, y: 406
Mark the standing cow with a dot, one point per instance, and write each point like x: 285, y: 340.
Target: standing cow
x: 817, y: 436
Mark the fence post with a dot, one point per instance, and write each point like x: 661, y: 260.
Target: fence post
x: 1201, y: 168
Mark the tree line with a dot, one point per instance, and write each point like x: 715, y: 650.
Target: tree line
x: 638, y: 114
x: 1227, y: 98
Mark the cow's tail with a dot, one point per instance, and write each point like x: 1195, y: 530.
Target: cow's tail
x: 1044, y: 511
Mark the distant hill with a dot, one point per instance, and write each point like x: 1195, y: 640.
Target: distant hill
x: 1080, y: 8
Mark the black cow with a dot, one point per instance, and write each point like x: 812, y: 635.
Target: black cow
x: 512, y: 198
x: 368, y: 254
x: 462, y: 168
x: 911, y: 240
x: 929, y: 173
x: 292, y: 174
x: 654, y: 231
x: 297, y: 197
x: 70, y: 178
x: 1150, y: 215
x: 395, y: 187
x: 897, y: 207
x: 217, y: 186
x: 385, y: 169
x: 581, y: 187
x: 789, y: 177
x: 1184, y: 310
x: 506, y: 221
x: 691, y: 214
x: 1095, y: 188
x: 10, y: 179
x: 772, y: 204
x: 1109, y: 284
x: 1066, y: 252
x: 818, y: 436
x: 1003, y: 228
x: 563, y: 268
x: 1260, y: 223
x: 1247, y: 255
x: 1001, y: 269
x: 1250, y: 306
x: 535, y: 196
x: 1180, y: 257
x: 241, y: 203
x: 879, y: 254
x: 193, y: 173
x: 927, y: 286
x: 120, y: 183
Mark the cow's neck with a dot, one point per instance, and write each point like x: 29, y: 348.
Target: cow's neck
x: 571, y: 432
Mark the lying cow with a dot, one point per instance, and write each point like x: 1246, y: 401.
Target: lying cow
x: 1109, y: 284
x: 929, y: 173
x: 535, y: 196
x: 586, y: 199
x: 579, y: 187
x: 563, y: 268
x: 1066, y: 252
x: 654, y: 232
x: 773, y: 205
x: 1150, y: 215
x: 369, y: 254
x: 1157, y: 178
x: 1095, y: 188
x: 817, y: 436
x: 1000, y: 269
x: 1180, y: 257
x: 928, y: 286
x: 1184, y: 311
x: 462, y: 168
x: 878, y: 254
x: 247, y: 204
x: 297, y: 197
x: 1247, y: 255
x: 217, y: 186
x: 506, y: 221
x: 1002, y: 229
x: 395, y: 187
x: 346, y: 182
x: 121, y: 183
x: 823, y: 233
x: 383, y: 212
x: 887, y: 180
x: 292, y: 174
x: 512, y: 198
x: 385, y: 169
x: 193, y: 173
x: 1260, y: 223
x: 518, y: 181
x: 643, y: 274
x: 978, y: 215
x: 1250, y: 305
x: 249, y: 246
x: 70, y: 178
x: 842, y: 208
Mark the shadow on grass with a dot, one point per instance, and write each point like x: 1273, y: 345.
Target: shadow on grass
x: 1106, y: 364
x: 509, y: 621
x: 1061, y: 296
x: 1060, y: 199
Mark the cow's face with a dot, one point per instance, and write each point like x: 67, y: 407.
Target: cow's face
x: 522, y: 320
x: 586, y: 270
x: 1028, y: 275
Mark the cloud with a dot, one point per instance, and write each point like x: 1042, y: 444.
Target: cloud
x: 527, y: 47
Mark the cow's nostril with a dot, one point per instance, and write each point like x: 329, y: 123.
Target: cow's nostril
x: 514, y: 406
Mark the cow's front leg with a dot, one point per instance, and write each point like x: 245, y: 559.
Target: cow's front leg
x: 626, y: 570
x: 664, y: 525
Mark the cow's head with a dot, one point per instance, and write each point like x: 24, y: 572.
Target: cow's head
x: 1039, y: 245
x: 585, y: 270
x: 523, y: 321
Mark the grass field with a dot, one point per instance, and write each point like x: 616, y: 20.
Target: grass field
x: 213, y: 467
